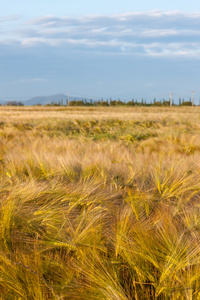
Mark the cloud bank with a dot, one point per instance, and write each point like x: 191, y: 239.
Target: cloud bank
x: 154, y: 33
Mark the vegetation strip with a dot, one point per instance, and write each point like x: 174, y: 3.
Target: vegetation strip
x: 111, y: 217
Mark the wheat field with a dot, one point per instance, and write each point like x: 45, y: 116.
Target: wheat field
x: 99, y: 203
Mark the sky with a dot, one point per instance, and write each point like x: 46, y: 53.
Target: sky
x: 100, y: 49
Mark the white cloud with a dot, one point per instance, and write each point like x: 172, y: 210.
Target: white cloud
x: 153, y: 33
x: 34, y: 80
x: 36, y: 41
x: 9, y: 18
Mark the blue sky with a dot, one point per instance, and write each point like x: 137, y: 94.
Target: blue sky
x: 83, y: 7
x: 118, y: 49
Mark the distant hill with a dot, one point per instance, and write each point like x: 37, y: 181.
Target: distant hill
x: 43, y: 100
x: 2, y: 102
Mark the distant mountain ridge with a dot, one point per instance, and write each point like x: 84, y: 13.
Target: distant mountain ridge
x: 43, y: 100
x: 2, y: 102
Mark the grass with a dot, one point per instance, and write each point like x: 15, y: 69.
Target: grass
x: 99, y: 203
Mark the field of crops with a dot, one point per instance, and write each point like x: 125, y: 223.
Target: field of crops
x: 100, y: 203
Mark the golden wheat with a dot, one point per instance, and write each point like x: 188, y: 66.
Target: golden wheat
x: 99, y: 203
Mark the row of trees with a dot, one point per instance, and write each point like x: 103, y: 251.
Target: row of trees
x: 110, y: 102
x: 14, y: 103
x: 118, y: 102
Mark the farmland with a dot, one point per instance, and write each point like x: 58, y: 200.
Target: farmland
x: 100, y: 203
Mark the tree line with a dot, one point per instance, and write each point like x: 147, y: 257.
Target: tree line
x: 110, y: 102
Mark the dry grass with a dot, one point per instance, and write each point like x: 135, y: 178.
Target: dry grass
x: 100, y: 203
x: 98, y: 113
